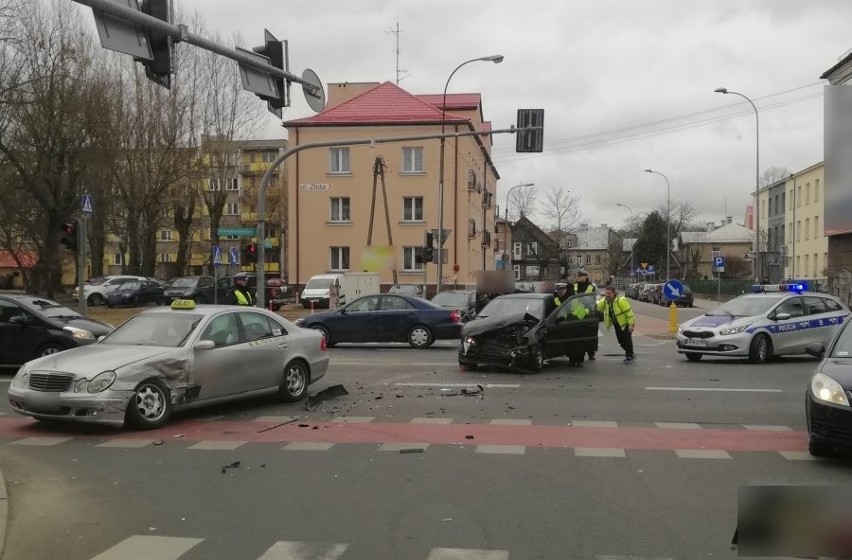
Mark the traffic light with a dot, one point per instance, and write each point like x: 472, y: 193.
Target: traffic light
x: 250, y: 253
x: 530, y: 140
x: 159, y: 69
x: 428, y: 254
x: 273, y: 49
x: 69, y: 235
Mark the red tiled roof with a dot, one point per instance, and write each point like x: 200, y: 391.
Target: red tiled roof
x: 454, y: 100
x: 28, y: 259
x: 386, y: 104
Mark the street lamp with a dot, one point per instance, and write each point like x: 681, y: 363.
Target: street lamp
x: 506, y: 215
x: 756, y: 242
x: 632, y: 245
x: 668, y: 222
x: 496, y: 59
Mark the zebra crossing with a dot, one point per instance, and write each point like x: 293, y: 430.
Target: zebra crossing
x: 155, y: 547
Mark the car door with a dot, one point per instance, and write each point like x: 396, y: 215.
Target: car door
x: 818, y: 313
x: 357, y: 321
x: 573, y: 327
x: 264, y: 346
x: 19, y: 341
x: 220, y: 372
x: 789, y: 330
x: 395, y: 318
x: 205, y: 288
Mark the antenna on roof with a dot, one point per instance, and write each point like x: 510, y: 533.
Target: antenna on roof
x: 401, y: 73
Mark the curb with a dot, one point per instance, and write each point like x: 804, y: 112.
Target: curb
x: 4, y: 507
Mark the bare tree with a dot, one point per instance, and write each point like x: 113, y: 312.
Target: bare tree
x: 773, y: 175
x: 523, y: 201
x: 563, y: 211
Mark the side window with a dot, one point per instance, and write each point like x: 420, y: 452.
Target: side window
x: 9, y: 310
x: 815, y: 305
x: 366, y: 304
x: 255, y: 326
x: 793, y: 306
x: 205, y: 283
x: 832, y: 305
x: 393, y: 303
x: 277, y: 328
x: 222, y: 330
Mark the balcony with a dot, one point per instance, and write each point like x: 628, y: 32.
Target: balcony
x: 256, y: 168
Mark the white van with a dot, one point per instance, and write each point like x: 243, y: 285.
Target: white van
x: 316, y: 291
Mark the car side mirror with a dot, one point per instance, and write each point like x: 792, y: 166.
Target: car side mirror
x: 816, y: 349
x: 19, y: 320
x: 782, y: 316
x: 342, y: 311
x: 205, y: 345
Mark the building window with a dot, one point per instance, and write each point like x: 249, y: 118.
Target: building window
x: 807, y: 264
x: 763, y: 208
x: 816, y: 264
x: 808, y: 193
x: 816, y: 190
x: 792, y: 197
x: 816, y: 227
x: 790, y: 239
x: 338, y: 160
x: 165, y: 257
x: 597, y: 259
x: 781, y: 208
x: 339, y: 258
x: 798, y: 263
x: 517, y: 270
x: 117, y: 258
x: 532, y: 248
x: 340, y: 210
x: 807, y: 228
x: 165, y: 235
x: 412, y: 209
x: 517, y: 253
x: 588, y: 259
x: 232, y: 209
x: 269, y: 157
x: 798, y: 230
x: 570, y: 259
x: 233, y: 184
x: 799, y: 196
x: 213, y: 185
x: 412, y: 160
x: 408, y: 260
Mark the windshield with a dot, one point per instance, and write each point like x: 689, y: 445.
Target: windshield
x: 129, y: 286
x: 185, y: 282
x: 319, y: 283
x: 445, y: 299
x: 513, y: 306
x: 51, y: 308
x: 155, y: 329
x: 843, y: 346
x: 745, y: 306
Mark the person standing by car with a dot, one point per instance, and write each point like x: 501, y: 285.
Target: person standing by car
x: 618, y: 314
x: 563, y: 292
x: 583, y: 286
x: 239, y: 293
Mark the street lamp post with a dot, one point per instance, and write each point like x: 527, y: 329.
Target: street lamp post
x: 506, y: 215
x: 756, y: 243
x: 496, y: 59
x: 668, y: 222
x: 634, y: 241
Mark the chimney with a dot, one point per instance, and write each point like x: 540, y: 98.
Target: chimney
x: 710, y: 226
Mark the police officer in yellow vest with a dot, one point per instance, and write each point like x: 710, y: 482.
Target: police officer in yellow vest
x: 618, y: 314
x: 583, y: 286
x: 239, y: 293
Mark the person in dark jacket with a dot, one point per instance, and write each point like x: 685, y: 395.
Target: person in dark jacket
x: 239, y: 293
x: 565, y: 290
x: 583, y: 286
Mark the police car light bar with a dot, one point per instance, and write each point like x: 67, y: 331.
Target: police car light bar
x: 797, y: 287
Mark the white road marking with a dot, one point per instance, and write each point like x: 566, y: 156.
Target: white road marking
x: 289, y: 550
x: 702, y: 454
x: 798, y: 456
x: 40, y: 441
x: 486, y: 385
x: 431, y: 420
x: 147, y: 547
x: 398, y: 446
x: 126, y: 443
x: 678, y: 425
x: 467, y: 554
x: 594, y: 424
x: 714, y: 389
x: 512, y: 422
x: 599, y: 452
x: 308, y: 446
x: 502, y: 449
x: 354, y: 419
x: 767, y: 428
x: 217, y: 445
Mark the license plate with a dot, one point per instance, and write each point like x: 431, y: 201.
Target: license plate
x: 699, y: 342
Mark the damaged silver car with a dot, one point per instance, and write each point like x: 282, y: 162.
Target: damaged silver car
x: 168, y: 359
x: 523, y: 331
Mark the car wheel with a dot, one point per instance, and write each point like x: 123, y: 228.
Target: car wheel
x: 693, y: 357
x: 468, y: 366
x: 296, y: 379
x: 48, y: 349
x: 818, y: 449
x: 328, y: 342
x: 95, y: 299
x: 420, y: 337
x: 760, y: 349
x: 150, y: 406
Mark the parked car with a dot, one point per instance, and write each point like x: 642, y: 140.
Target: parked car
x: 645, y: 292
x: 686, y: 298
x: 387, y: 318
x: 197, y: 288
x: 655, y: 294
x: 135, y: 294
x: 523, y: 331
x: 463, y: 300
x: 172, y: 358
x: 96, y: 290
x: 827, y: 404
x: 407, y: 289
x: 32, y: 326
x: 779, y: 320
x: 317, y: 291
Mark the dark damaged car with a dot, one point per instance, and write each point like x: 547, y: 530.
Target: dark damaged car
x: 523, y: 331
x: 166, y: 359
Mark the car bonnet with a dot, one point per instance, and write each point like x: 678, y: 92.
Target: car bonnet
x: 95, y: 358
x: 485, y: 324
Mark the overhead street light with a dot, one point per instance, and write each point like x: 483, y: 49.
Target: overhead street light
x: 756, y: 242
x: 506, y: 215
x: 668, y: 222
x: 496, y: 59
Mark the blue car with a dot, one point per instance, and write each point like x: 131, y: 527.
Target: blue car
x: 387, y: 318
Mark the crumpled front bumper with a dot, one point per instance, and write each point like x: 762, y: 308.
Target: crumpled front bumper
x: 107, y: 407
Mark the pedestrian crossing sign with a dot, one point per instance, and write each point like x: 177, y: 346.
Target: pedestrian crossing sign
x: 86, y: 205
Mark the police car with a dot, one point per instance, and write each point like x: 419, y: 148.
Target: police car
x: 773, y: 320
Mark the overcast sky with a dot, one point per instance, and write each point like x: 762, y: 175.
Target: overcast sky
x: 626, y: 85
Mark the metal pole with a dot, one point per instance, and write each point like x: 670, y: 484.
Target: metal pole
x: 81, y: 263
x: 267, y: 177
x: 668, y: 222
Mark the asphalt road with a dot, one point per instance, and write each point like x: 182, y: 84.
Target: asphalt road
x: 602, y: 462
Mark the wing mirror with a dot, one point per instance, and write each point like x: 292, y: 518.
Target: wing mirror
x: 205, y: 345
x: 817, y: 350
x: 19, y: 320
x: 781, y: 316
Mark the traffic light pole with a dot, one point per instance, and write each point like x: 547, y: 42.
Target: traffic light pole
x: 270, y: 171
x: 81, y: 263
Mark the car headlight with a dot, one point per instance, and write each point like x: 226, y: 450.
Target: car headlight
x: 826, y: 389
x: 101, y: 382
x: 21, y: 378
x: 81, y: 334
x: 734, y: 330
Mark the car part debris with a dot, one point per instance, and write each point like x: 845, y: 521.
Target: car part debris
x: 313, y: 401
x: 267, y: 428
x: 234, y: 465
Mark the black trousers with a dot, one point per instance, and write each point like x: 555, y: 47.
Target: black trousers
x: 625, y: 339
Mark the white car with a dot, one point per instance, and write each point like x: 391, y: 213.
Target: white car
x: 775, y: 320
x: 96, y: 290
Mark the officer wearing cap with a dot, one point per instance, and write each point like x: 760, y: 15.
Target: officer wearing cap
x: 583, y: 286
x: 239, y: 293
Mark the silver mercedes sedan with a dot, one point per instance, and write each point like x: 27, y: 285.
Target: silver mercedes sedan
x: 169, y: 359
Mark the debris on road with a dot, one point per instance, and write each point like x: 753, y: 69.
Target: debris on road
x: 234, y: 465
x: 464, y: 391
x: 158, y: 442
x: 267, y: 428
x: 313, y: 401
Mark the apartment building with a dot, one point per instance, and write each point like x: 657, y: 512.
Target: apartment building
x: 590, y: 250
x: 368, y: 207
x: 805, y: 239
